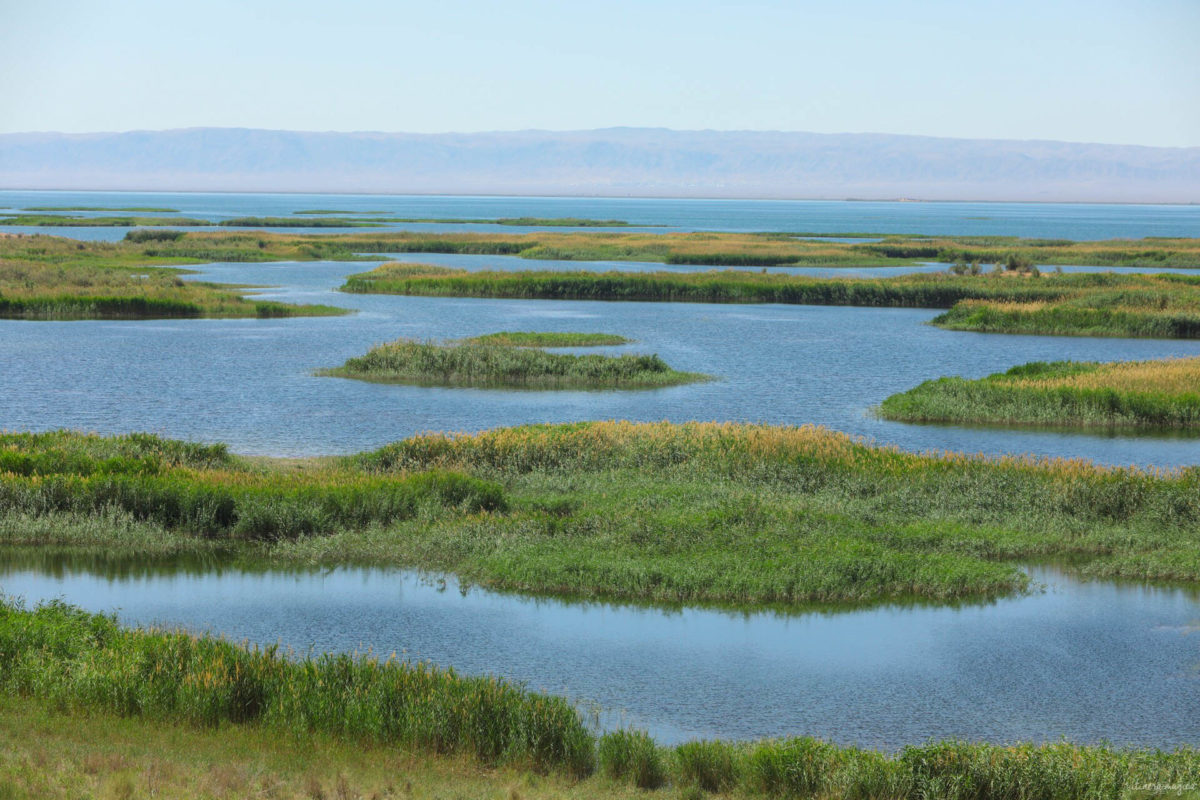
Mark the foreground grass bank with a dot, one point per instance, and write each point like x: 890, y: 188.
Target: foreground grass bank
x: 1093, y: 304
x: 737, y: 515
x: 49, y: 278
x: 303, y: 725
x: 503, y: 366
x: 1131, y: 394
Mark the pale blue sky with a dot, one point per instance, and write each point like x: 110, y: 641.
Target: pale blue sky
x: 1120, y: 71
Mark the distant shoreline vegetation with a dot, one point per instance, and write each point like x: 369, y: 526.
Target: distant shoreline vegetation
x: 65, y: 221
x: 503, y: 366
x: 1133, y: 394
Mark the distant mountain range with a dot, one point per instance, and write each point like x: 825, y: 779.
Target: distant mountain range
x: 607, y: 162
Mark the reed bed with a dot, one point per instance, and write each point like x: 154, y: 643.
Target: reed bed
x: 1097, y: 304
x: 548, y: 339
x: 504, y: 366
x: 45, y: 278
x: 1132, y: 394
x: 199, y: 490
x: 735, y: 515
x: 65, y: 656
x: 62, y: 657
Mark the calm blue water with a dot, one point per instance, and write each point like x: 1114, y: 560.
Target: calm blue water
x: 1086, y: 661
x: 1044, y: 220
x: 250, y: 383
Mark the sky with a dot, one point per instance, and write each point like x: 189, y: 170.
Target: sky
x: 1108, y: 71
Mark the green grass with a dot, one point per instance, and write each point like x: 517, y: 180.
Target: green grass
x: 51, y: 278
x: 1083, y: 304
x: 504, y: 366
x: 735, y: 515
x: 62, y: 655
x: 77, y: 690
x: 205, y: 492
x: 552, y: 339
x: 1139, y: 394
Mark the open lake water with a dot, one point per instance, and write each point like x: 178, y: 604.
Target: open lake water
x: 1087, y: 661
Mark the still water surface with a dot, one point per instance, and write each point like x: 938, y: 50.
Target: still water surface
x: 1086, y: 661
x: 250, y: 382
x: 1045, y: 220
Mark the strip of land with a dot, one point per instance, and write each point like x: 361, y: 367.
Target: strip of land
x: 503, y: 366
x: 51, y: 278
x: 735, y: 515
x: 1078, y: 394
x: 65, y: 221
x: 1081, y: 304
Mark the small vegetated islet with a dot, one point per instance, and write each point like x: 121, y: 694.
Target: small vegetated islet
x: 506, y: 366
x: 1133, y: 394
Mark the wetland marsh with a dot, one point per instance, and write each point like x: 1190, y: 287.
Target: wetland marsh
x: 881, y: 598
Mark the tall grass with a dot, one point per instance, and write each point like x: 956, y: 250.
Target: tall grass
x: 504, y: 366
x: 1157, y: 394
x: 738, y: 515
x: 48, y: 278
x: 65, y: 656
x: 62, y: 656
x: 1097, y: 304
x: 196, y: 489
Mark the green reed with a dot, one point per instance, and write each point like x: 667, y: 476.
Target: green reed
x: 504, y: 366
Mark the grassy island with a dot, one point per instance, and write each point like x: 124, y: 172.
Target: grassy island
x: 1083, y: 304
x: 183, y: 715
x: 553, y: 339
x: 737, y: 515
x: 50, y: 278
x: 500, y: 366
x: 1147, y: 394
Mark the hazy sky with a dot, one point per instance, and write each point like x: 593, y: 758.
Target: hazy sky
x: 1120, y: 71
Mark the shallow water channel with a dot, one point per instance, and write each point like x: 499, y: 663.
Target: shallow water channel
x: 249, y: 382
x: 1082, y: 660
